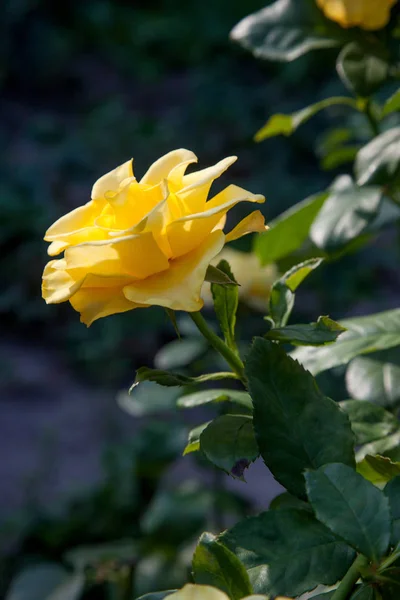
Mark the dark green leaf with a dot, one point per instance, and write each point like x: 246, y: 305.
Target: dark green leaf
x: 229, y: 443
x: 392, y: 491
x: 281, y: 299
x: 176, y: 379
x: 392, y: 104
x: 324, y: 331
x: 378, y: 163
x: 215, y: 565
x: 286, y: 124
x: 226, y: 300
x: 296, y: 426
x: 218, y: 395
x: 375, y: 378
x: 368, y: 421
x: 351, y: 507
x: 288, y: 29
x: 288, y: 552
x: 378, y: 469
x: 345, y: 215
x: 362, y: 70
x: 215, y: 275
x: 363, y: 335
x: 193, y: 444
x: 289, y: 231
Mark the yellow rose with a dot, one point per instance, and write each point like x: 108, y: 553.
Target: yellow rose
x: 143, y: 243
x: 255, y: 281
x: 367, y: 14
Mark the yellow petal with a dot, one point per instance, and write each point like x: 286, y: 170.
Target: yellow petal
x: 198, y: 592
x: 207, y: 176
x: 95, y: 303
x: 56, y: 247
x: 76, y: 220
x: 111, y: 181
x: 136, y: 255
x: 179, y: 287
x: 253, y: 223
x: 188, y: 232
x: 160, y: 169
x: 196, y: 186
x: 58, y: 285
x: 230, y: 196
x: 130, y: 205
x: 176, y: 175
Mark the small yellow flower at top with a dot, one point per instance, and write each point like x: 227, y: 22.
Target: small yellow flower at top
x: 145, y: 242
x: 367, y: 14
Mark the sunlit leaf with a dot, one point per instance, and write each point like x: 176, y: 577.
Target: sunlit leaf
x: 217, y: 395
x: 364, y: 335
x: 375, y: 378
x: 378, y: 469
x: 378, y: 163
x: 346, y: 214
x: 280, y: 124
x: 287, y: 29
x: 289, y: 231
x: 369, y: 421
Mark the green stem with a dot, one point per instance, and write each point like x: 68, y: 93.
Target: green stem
x: 219, y: 345
x: 371, y: 118
x: 350, y: 579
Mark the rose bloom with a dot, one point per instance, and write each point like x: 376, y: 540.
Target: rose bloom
x: 143, y: 243
x: 367, y: 14
x: 255, y: 281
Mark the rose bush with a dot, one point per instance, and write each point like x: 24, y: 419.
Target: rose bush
x: 147, y: 242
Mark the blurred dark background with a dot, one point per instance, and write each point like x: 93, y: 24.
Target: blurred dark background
x: 85, y: 86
